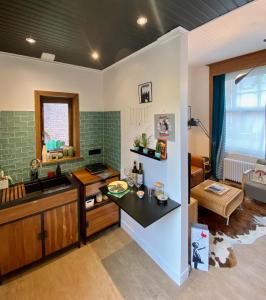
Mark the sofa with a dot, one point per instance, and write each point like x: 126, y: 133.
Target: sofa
x: 197, y: 170
x: 254, y: 190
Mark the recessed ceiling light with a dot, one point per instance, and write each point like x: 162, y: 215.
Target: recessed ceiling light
x: 95, y: 55
x: 142, y: 20
x: 30, y: 40
x: 47, y: 56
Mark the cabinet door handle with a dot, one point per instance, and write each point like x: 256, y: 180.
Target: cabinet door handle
x: 42, y: 235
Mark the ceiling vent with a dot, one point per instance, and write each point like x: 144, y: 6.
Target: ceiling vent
x: 47, y: 56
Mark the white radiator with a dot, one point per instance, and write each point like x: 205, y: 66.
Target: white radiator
x: 234, y: 169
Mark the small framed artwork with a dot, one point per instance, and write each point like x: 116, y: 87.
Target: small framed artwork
x: 163, y: 147
x: 145, y: 92
x: 164, y: 126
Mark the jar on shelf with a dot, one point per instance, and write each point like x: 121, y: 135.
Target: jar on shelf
x: 158, y: 188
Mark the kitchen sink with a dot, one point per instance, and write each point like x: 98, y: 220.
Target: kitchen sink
x: 47, y: 184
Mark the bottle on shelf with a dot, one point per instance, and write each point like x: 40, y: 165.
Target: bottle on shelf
x: 135, y: 171
x: 58, y: 170
x: 140, y: 174
x: 44, y: 153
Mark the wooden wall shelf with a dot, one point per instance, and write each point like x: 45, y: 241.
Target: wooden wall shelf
x: 61, y: 160
x: 147, y: 155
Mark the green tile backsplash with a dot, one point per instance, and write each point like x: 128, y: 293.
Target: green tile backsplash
x: 17, y: 142
x: 112, y: 139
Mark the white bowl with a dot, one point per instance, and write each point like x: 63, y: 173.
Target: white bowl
x: 140, y: 194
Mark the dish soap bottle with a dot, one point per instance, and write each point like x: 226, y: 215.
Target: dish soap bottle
x: 58, y: 170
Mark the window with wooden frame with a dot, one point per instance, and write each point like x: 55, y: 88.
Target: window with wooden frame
x: 57, y: 126
x: 243, y: 62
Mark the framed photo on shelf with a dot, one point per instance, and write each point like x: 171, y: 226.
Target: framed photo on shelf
x: 145, y: 92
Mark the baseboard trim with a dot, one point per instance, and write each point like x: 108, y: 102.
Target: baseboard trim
x: 178, y: 279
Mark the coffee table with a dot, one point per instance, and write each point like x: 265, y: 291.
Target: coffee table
x: 223, y: 205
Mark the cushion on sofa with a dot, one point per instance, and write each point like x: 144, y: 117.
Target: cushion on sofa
x: 255, y: 191
x: 261, y: 161
x: 259, y: 174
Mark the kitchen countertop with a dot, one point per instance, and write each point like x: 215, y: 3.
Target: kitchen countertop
x: 85, y: 177
x: 38, y: 194
x: 146, y: 210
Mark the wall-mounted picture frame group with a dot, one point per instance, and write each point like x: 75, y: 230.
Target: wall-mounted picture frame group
x: 145, y: 92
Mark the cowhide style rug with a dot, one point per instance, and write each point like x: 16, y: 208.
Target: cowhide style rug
x: 245, y: 227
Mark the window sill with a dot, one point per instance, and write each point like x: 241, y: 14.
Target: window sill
x: 61, y: 160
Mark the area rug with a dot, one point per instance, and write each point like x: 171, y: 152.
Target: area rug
x: 245, y: 227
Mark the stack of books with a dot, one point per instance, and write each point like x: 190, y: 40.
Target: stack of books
x: 217, y: 188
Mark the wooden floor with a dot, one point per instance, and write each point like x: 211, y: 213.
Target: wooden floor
x: 114, y: 267
x: 242, y: 219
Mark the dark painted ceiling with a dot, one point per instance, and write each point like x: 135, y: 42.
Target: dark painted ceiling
x: 71, y: 29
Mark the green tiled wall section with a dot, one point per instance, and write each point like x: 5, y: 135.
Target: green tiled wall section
x: 112, y: 139
x: 17, y: 142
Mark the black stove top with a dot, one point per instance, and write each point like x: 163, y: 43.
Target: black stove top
x: 96, y: 168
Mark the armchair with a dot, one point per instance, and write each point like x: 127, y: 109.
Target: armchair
x: 254, y: 190
x: 197, y: 170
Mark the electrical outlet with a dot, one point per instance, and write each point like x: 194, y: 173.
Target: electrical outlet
x: 95, y: 151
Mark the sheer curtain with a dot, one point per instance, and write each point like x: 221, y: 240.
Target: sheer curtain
x: 245, y: 113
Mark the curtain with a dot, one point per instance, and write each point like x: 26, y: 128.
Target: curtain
x: 218, y: 126
x: 245, y: 113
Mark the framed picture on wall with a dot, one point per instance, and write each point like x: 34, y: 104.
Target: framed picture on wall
x: 164, y: 126
x: 145, y: 92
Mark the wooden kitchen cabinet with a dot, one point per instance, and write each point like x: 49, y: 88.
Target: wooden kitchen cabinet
x: 102, y: 214
x: 102, y: 217
x: 33, y: 230
x: 20, y: 243
x: 60, y: 227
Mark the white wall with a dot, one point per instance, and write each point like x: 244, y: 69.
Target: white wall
x: 165, y: 64
x: 20, y: 76
x: 198, y: 98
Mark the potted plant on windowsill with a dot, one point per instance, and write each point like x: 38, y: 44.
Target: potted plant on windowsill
x: 145, y: 141
x: 136, y: 143
x: 158, y: 150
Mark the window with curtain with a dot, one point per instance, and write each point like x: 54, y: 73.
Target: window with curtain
x: 245, y: 113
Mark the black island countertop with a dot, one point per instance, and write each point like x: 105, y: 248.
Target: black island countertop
x: 145, y: 211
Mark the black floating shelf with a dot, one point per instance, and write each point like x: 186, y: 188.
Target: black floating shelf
x: 147, y: 155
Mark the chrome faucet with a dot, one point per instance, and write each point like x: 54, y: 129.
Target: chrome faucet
x: 35, y: 164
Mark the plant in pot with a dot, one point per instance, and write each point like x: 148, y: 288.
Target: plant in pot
x: 136, y: 143
x: 145, y: 141
x: 158, y: 150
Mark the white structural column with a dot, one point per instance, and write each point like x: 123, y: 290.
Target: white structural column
x: 164, y: 63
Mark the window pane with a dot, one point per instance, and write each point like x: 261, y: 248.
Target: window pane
x: 263, y: 99
x: 247, y: 100
x: 263, y: 82
x: 56, y: 125
x: 245, y: 113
